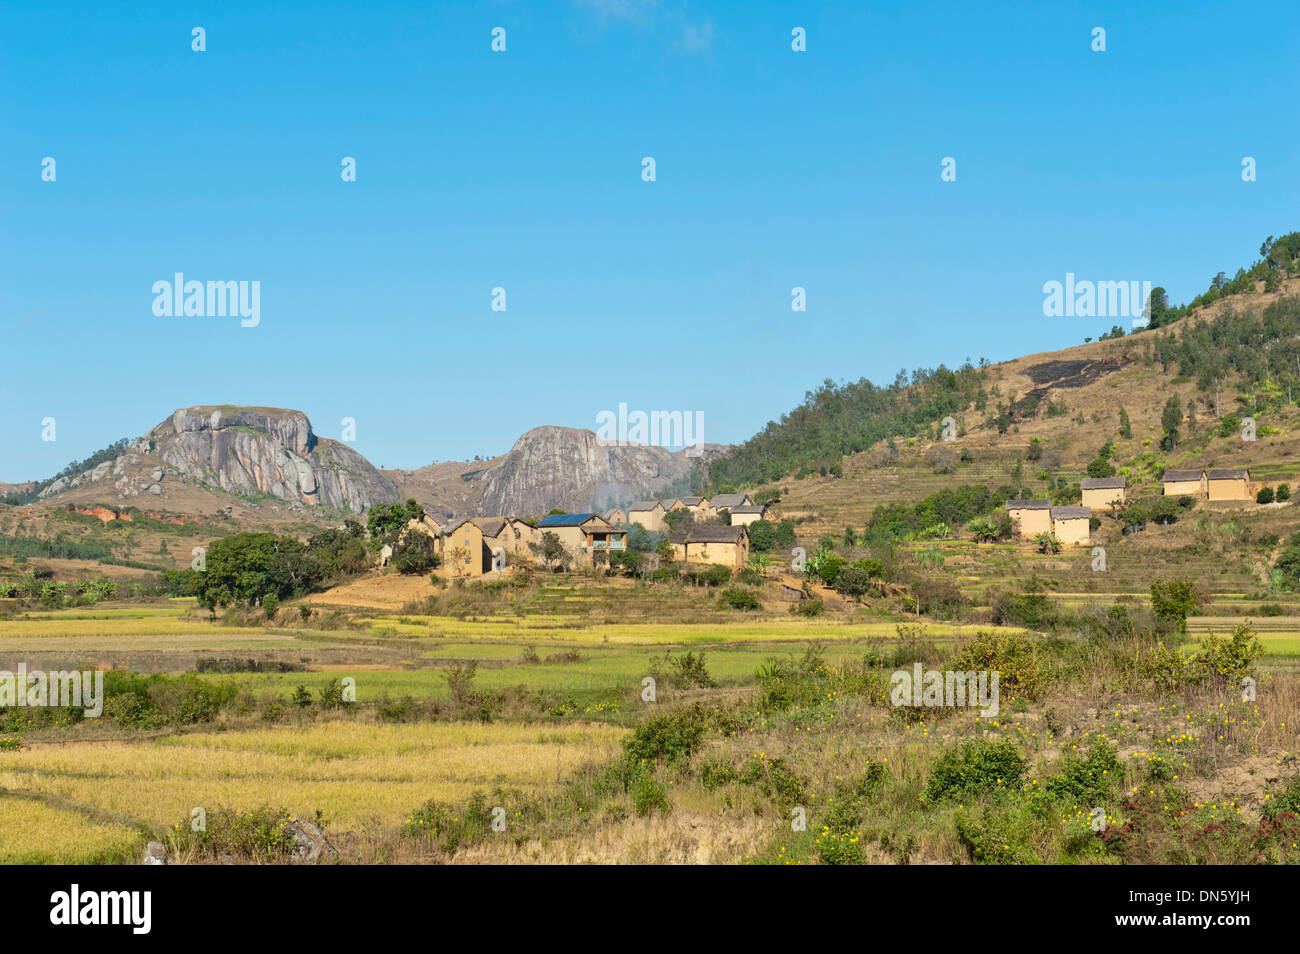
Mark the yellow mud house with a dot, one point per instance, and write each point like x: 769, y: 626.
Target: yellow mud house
x: 1030, y: 517
x: 728, y: 502
x: 1101, y: 492
x: 648, y: 513
x: 714, y: 543
x: 1183, y: 483
x: 1233, y: 484
x: 1072, y: 524
x: 465, y: 552
x: 696, y: 505
x: 746, y: 514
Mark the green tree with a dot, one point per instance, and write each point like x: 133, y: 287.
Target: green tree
x: 1173, y: 601
x: 1125, y: 426
x: 679, y: 521
x: 1171, y: 418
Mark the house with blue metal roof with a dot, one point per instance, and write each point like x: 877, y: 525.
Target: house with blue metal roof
x: 588, y: 536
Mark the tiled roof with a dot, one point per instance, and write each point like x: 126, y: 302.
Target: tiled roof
x: 1029, y: 504
x: 1102, y: 483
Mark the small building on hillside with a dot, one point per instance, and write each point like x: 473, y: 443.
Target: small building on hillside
x: 1030, y: 517
x: 465, y: 551
x: 616, y: 517
x: 1183, y: 483
x: 746, y: 514
x: 672, y: 503
x: 1232, y: 484
x: 715, y: 543
x: 1102, y: 492
x: 648, y: 513
x: 585, y: 535
x: 728, y: 502
x: 696, y: 505
x: 1072, y: 524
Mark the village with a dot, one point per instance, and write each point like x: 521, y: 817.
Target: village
x: 715, y: 533
x: 1073, y: 525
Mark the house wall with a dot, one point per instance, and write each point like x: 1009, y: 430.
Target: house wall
x: 1184, y: 488
x: 1072, y: 530
x: 1230, y: 490
x: 1032, y: 522
x: 1101, y: 499
x: 744, y: 519
x: 652, y: 520
x: 573, y: 538
x: 726, y: 554
x: 465, y: 552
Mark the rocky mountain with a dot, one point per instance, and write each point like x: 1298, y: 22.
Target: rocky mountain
x: 241, y: 450
x: 198, y: 452
x: 247, y: 450
x: 568, y: 468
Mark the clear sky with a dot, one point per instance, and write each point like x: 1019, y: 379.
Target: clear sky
x: 523, y: 170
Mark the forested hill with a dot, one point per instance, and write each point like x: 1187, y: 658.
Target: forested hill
x: 834, y: 421
x: 1240, y: 344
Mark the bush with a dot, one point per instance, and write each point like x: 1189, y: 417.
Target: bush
x: 670, y: 737
x: 996, y: 837
x: 1015, y: 656
x: 1087, y: 781
x: 1229, y: 660
x: 1265, y: 495
x: 691, y: 671
x: 810, y: 607
x: 416, y: 553
x: 975, y: 768
x: 853, y: 581
x: 1283, y: 493
x: 741, y: 599
x: 260, y: 835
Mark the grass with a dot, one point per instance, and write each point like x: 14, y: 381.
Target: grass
x: 356, y: 773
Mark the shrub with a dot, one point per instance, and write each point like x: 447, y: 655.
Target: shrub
x: 1016, y: 657
x: 260, y: 834
x: 1087, y: 781
x: 853, y: 581
x: 1282, y: 493
x: 1229, y: 660
x: 996, y: 837
x: 810, y: 607
x: 691, y: 671
x: 1174, y: 600
x: 977, y: 767
x: 1288, y: 800
x: 416, y: 553
x: 1265, y: 495
x: 670, y: 737
x: 740, y: 599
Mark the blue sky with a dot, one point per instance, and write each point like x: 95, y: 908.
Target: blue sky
x: 522, y: 170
